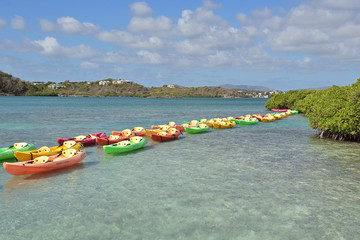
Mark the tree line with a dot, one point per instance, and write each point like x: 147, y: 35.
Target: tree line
x: 335, y: 111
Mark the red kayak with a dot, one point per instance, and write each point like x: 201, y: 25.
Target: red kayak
x: 170, y: 135
x: 68, y: 158
x: 258, y: 116
x: 279, y: 110
x: 86, y: 140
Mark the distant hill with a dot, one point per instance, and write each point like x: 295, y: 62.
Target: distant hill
x: 248, y: 87
x: 10, y: 85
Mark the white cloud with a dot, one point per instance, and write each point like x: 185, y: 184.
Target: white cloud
x: 46, y: 25
x: 323, y: 31
x: 141, y: 9
x: 126, y: 39
x: 262, y: 13
x: 18, y: 23
x: 220, y: 58
x: 189, y: 48
x: 2, y: 23
x: 211, y: 5
x: 307, y: 16
x: 195, y: 23
x: 89, y: 65
x: 300, y: 40
x: 25, y: 46
x: 243, y: 19
x: 116, y: 57
x: 149, y: 57
x: 348, y: 30
x: 70, y: 25
x: 150, y: 25
x: 51, y: 48
x: 335, y: 4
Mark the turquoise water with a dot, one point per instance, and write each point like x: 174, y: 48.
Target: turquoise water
x: 267, y: 181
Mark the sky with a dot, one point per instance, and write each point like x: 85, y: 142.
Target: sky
x: 283, y: 44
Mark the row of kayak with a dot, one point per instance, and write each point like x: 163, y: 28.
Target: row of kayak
x: 71, y: 150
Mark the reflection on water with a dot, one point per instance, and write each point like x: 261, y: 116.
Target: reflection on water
x: 32, y: 180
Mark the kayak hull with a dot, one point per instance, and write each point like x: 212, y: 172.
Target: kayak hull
x: 30, y: 155
x: 166, y: 138
x: 195, y: 130
x: 244, y: 122
x: 221, y: 125
x: 237, y: 121
x: 86, y: 142
x: 113, y: 149
x: 28, y: 167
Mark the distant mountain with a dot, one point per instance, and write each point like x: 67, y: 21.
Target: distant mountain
x: 248, y: 87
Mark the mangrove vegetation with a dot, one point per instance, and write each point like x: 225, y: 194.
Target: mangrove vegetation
x: 334, y: 111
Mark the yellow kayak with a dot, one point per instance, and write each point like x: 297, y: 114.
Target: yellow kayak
x: 46, y: 151
x: 222, y: 124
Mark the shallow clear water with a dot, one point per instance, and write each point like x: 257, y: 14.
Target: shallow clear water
x: 268, y: 181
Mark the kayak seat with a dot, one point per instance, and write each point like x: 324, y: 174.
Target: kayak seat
x: 126, y: 132
x: 114, y: 137
x: 172, y: 131
x: 44, y: 149
x: 69, y: 144
x: 138, y: 129
x: 123, y: 143
x: 80, y: 137
x: 135, y: 139
x: 42, y: 159
x: 171, y: 124
x: 164, y: 128
x: 69, y: 152
x: 20, y: 145
x: 162, y: 133
x: 92, y: 136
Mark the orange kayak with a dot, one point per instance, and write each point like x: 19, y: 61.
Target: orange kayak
x: 178, y: 127
x: 137, y: 131
x: 51, y: 163
x: 162, y: 136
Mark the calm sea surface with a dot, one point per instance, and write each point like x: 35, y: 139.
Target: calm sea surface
x: 268, y: 181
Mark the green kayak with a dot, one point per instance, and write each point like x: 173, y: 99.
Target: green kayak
x: 8, y: 152
x: 199, y: 129
x: 250, y: 122
x: 294, y: 112
x: 126, y: 146
x: 235, y: 120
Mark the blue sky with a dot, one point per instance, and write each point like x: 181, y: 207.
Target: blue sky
x: 285, y: 44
